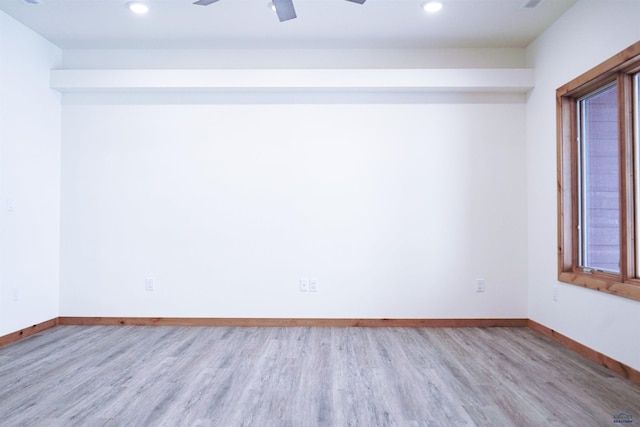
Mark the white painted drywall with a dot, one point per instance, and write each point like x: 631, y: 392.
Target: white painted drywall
x: 195, y: 59
x: 395, y: 208
x: 589, y: 33
x: 477, y: 80
x: 29, y: 177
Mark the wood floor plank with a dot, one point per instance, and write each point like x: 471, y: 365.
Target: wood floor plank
x: 301, y: 376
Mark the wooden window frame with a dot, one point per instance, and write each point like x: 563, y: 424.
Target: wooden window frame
x: 619, y: 69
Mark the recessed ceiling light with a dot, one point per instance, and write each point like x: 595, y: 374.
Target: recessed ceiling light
x: 432, y: 6
x: 138, y: 7
x: 271, y: 6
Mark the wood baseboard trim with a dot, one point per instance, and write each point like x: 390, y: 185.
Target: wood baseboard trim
x: 591, y: 354
x: 300, y: 322
x: 27, y: 332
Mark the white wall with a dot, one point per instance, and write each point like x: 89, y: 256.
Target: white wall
x: 198, y: 193
x: 292, y: 58
x: 395, y: 208
x: 589, y: 33
x: 29, y: 177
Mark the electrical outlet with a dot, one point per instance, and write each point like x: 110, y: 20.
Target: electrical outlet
x: 150, y: 284
x: 555, y: 292
x: 304, y: 285
x: 313, y: 285
x: 479, y: 285
x: 15, y: 294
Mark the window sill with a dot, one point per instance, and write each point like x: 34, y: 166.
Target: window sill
x: 603, y: 283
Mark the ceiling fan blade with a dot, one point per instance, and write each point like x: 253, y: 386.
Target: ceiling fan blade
x: 205, y: 2
x: 284, y: 9
x: 357, y: 1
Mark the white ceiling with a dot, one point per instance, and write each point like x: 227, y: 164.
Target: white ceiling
x: 108, y: 24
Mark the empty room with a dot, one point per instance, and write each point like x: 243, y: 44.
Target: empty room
x: 319, y: 213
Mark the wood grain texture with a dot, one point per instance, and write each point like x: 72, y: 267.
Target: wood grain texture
x: 619, y: 69
x: 304, y: 376
x: 628, y: 59
x: 597, y: 357
x: 292, y: 322
x: 27, y: 332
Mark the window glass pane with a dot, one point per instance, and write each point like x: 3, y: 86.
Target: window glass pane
x: 599, y: 194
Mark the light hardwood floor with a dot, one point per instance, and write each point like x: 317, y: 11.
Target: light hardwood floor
x: 249, y: 376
